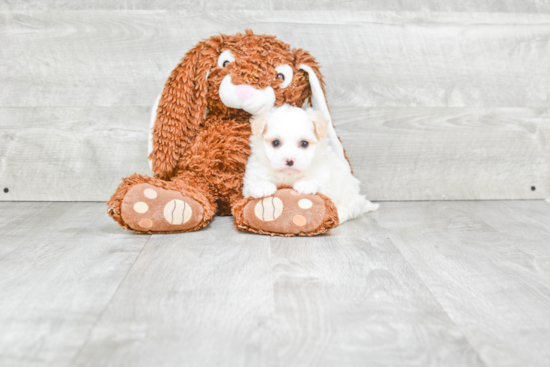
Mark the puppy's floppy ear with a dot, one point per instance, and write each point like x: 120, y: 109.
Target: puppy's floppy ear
x: 304, y: 61
x: 258, y: 123
x: 181, y: 107
x: 320, y: 124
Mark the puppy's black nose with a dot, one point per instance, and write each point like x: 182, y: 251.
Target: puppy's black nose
x: 289, y: 163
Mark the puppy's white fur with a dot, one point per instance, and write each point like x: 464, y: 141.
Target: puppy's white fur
x: 314, y: 169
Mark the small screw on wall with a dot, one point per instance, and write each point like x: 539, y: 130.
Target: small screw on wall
x: 533, y: 188
x: 6, y: 190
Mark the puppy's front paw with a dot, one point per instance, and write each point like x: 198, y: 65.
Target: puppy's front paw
x: 262, y: 189
x: 306, y: 187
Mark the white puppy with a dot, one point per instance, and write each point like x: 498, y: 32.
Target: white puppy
x: 288, y: 148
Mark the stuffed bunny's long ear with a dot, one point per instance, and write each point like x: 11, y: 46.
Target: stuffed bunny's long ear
x: 181, y: 107
x: 319, y: 103
x: 151, y: 127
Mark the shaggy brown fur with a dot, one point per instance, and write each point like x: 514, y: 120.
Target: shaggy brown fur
x: 205, y: 157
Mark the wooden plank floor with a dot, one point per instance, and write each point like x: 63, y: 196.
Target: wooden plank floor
x: 414, y: 284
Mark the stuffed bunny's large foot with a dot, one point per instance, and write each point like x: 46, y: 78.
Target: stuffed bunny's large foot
x: 286, y: 213
x: 149, y: 208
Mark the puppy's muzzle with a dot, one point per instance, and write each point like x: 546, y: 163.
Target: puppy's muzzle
x: 245, y: 97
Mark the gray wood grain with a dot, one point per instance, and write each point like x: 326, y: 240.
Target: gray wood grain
x: 78, y: 85
x: 119, y: 58
x: 351, y: 299
x: 219, y: 297
x: 493, y: 282
x: 523, y: 220
x: 448, y: 153
x: 526, y: 223
x: 525, y: 6
x: 60, y: 264
x: 195, y: 299
x: 14, y: 213
x: 70, y: 153
x: 416, y: 283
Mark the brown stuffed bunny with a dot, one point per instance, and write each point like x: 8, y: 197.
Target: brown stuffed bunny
x: 200, y: 142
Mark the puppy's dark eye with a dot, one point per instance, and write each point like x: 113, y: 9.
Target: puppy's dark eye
x: 281, y: 76
x: 304, y: 144
x: 225, y: 63
x: 275, y: 143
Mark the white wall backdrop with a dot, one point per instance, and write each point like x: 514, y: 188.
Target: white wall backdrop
x: 434, y: 100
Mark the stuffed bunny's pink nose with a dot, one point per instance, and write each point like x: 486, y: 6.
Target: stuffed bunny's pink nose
x: 244, y: 92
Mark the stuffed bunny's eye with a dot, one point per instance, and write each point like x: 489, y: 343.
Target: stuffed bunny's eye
x: 285, y: 74
x: 225, y: 58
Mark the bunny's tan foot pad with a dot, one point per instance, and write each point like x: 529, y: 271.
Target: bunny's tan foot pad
x: 288, y: 213
x: 147, y: 208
